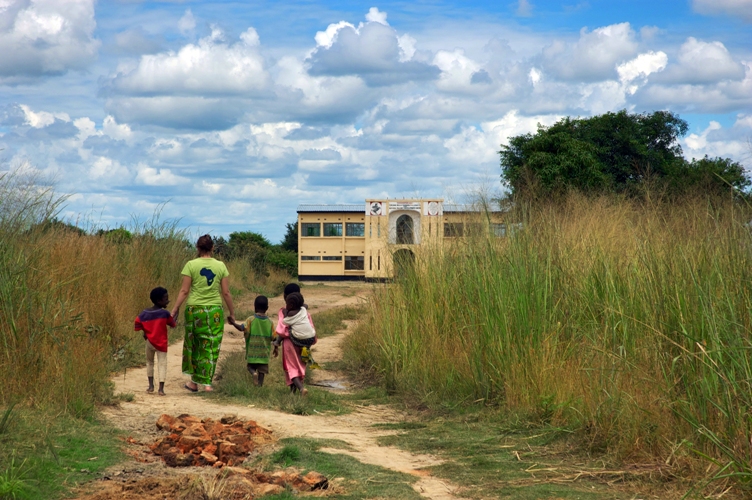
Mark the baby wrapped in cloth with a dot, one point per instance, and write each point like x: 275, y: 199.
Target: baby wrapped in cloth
x: 302, y: 332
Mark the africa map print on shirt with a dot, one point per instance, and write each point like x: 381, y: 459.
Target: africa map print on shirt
x: 206, y: 272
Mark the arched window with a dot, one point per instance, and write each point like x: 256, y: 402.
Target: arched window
x: 405, y: 230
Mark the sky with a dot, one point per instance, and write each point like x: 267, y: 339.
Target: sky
x: 225, y: 115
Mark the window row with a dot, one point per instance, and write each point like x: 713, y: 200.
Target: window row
x: 352, y: 262
x: 313, y: 229
x: 458, y: 229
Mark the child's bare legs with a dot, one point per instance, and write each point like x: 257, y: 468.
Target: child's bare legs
x: 161, y: 389
x: 255, y: 374
x: 260, y: 379
x: 150, y: 389
x: 297, y: 385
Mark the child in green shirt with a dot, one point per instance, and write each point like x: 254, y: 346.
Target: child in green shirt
x: 258, y: 331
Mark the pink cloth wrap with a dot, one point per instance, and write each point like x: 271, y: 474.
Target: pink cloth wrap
x: 291, y: 362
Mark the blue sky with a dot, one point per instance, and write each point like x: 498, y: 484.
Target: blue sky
x: 230, y: 114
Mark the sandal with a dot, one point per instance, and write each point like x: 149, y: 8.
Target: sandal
x: 208, y: 388
x: 190, y: 388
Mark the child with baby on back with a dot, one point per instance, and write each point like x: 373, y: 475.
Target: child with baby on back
x: 296, y: 334
x: 302, y: 332
x: 258, y: 331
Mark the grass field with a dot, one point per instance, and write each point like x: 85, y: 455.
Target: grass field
x: 626, y: 324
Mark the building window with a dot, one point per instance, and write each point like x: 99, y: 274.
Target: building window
x: 474, y: 229
x: 310, y: 229
x: 310, y: 257
x: 499, y: 230
x: 405, y: 230
x: 452, y: 229
x: 355, y: 229
x: 353, y: 263
x: 332, y: 229
x: 370, y: 262
x: 332, y: 257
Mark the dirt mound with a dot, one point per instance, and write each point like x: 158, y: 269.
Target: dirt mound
x: 231, y: 483
x: 206, y: 442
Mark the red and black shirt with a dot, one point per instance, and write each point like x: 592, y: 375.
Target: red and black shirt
x: 154, y: 322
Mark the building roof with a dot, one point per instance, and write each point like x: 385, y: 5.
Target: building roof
x: 455, y: 208
x: 361, y: 208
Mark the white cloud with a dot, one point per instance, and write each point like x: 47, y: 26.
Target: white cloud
x: 42, y: 119
x: 115, y: 130
x: 473, y: 146
x: 642, y: 66
x: 407, y: 46
x: 157, y: 177
x: 210, y: 67
x: 322, y: 95
x: 534, y: 76
x: 594, y: 56
x: 107, y: 169
x: 187, y: 23
x: 715, y: 140
x: 457, y: 70
x: 211, y: 187
x: 703, y: 62
x: 736, y: 8
x: 45, y: 37
x: 374, y: 16
x: 327, y: 37
x: 723, y: 96
x: 373, y: 51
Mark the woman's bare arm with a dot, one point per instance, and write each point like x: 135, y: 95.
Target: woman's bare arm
x: 225, y: 285
x: 185, y: 289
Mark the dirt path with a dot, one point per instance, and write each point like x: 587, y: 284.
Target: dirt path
x: 356, y: 429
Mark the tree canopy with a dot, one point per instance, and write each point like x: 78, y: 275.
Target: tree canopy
x: 613, y: 152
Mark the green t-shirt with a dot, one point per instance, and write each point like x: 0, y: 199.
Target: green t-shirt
x: 259, y: 332
x: 206, y: 275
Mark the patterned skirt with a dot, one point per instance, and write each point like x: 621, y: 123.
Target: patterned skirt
x: 204, y: 327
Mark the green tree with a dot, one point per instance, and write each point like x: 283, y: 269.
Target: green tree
x: 713, y: 176
x: 613, y: 152
x: 290, y: 241
x: 251, y: 246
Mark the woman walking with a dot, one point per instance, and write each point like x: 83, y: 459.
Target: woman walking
x: 205, y: 284
x: 292, y: 362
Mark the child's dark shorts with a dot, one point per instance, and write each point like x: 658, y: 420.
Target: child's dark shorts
x: 258, y: 367
x: 303, y: 342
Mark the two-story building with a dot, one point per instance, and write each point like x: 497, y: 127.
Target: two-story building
x: 363, y: 241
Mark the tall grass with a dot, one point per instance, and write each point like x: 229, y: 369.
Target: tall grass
x: 68, y: 299
x: 628, y: 322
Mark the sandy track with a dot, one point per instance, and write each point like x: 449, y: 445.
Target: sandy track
x: 356, y: 429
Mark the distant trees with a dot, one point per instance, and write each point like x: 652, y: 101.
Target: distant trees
x: 258, y: 251
x: 614, y: 152
x: 290, y: 241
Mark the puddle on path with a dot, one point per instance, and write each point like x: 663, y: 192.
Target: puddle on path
x: 336, y: 385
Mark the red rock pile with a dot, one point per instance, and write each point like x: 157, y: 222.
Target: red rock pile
x: 207, y: 442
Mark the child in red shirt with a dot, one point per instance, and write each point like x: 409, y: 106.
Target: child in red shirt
x: 153, y: 322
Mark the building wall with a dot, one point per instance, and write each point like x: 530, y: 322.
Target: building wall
x: 379, y: 243
x: 327, y: 248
